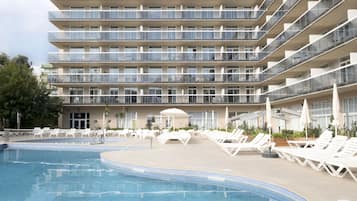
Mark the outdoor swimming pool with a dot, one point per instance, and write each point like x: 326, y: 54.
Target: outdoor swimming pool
x: 73, y: 140
x: 65, y: 176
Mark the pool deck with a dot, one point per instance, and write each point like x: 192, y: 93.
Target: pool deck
x: 205, y: 156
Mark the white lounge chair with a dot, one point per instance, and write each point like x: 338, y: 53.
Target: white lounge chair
x: 336, y: 164
x: 341, y: 167
x: 46, y: 131
x: 86, y: 132
x: 259, y: 143
x: 230, y: 137
x: 37, y: 132
x: 183, y: 137
x: 71, y: 132
x: 309, y: 143
x: 320, y: 143
x: 315, y: 158
x: 54, y: 133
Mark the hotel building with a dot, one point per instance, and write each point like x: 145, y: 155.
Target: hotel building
x: 212, y: 59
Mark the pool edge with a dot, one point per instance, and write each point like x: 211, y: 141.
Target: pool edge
x: 199, y: 177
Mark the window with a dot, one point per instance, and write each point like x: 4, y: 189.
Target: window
x: 209, y: 95
x: 79, y: 120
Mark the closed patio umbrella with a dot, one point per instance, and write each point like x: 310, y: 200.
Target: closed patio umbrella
x: 336, y: 108
x: 305, y: 119
x: 268, y: 117
x: 226, y: 120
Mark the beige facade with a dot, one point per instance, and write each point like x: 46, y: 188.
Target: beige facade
x: 132, y: 59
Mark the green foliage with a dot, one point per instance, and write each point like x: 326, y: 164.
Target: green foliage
x: 3, y: 59
x: 352, y: 132
x: 20, y: 92
x: 21, y: 60
x: 314, y: 132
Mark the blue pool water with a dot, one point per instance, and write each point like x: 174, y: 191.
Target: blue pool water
x: 80, y: 176
x: 72, y: 140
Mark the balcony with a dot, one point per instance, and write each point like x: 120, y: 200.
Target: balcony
x: 342, y: 76
x: 106, y: 78
x: 185, y: 99
x: 330, y: 40
x: 117, y: 57
x: 110, y: 36
x: 187, y: 14
x: 299, y: 25
x: 279, y: 14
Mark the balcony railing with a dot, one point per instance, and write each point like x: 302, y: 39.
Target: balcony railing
x: 188, y: 14
x: 332, y: 39
x: 298, y: 26
x: 87, y: 36
x: 161, y: 99
x: 69, y: 57
x: 279, y: 14
x: 342, y: 76
x: 153, y: 78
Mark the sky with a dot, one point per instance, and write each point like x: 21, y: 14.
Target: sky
x: 23, y: 29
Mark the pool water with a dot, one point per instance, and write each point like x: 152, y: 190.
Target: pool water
x: 73, y: 140
x: 80, y: 176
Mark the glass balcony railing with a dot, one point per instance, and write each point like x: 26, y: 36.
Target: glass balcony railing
x: 153, y: 78
x: 305, y: 20
x: 342, y: 76
x: 161, y: 99
x: 279, y: 14
x: 87, y: 36
x: 92, y: 15
x: 69, y: 57
x: 336, y: 37
x: 189, y: 14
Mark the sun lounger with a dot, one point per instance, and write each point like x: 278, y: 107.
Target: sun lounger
x: 320, y: 143
x: 183, y: 137
x: 230, y: 137
x: 86, y: 132
x: 335, y: 164
x: 46, y: 131
x: 259, y: 143
x: 308, y: 143
x: 341, y: 167
x: 37, y: 132
x: 54, y: 132
x: 316, y: 158
x: 71, y: 132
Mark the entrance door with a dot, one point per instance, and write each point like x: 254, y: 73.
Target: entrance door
x: 79, y: 120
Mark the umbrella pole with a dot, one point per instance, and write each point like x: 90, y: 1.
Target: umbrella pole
x: 306, y: 133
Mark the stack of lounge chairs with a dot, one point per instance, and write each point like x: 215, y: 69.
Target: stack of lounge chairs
x: 260, y: 143
x: 235, y: 142
x: 337, y: 155
x: 181, y: 136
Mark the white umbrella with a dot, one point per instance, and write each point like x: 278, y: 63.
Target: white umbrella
x: 268, y: 118
x: 226, y: 118
x: 173, y: 112
x: 336, y: 108
x: 305, y: 119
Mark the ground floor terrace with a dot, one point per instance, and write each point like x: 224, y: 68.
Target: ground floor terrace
x: 213, y: 116
x: 204, y: 156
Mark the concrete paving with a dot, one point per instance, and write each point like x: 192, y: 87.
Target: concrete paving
x: 203, y: 155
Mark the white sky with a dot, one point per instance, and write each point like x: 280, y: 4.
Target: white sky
x: 23, y: 29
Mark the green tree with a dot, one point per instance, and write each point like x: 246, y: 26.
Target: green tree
x: 21, y: 60
x: 3, y: 59
x: 20, y: 92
